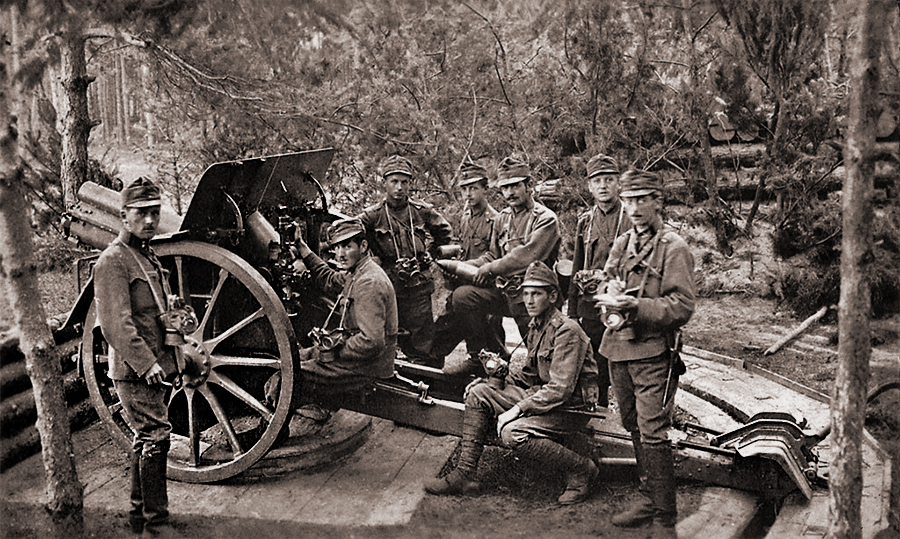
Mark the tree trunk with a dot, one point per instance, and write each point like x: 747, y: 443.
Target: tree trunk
x: 848, y: 405
x: 145, y: 106
x: 20, y: 287
x: 75, y: 119
x: 121, y: 130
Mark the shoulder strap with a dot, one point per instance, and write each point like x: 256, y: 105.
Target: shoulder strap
x: 156, y: 296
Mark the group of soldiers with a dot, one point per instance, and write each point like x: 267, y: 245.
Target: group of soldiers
x: 632, y: 289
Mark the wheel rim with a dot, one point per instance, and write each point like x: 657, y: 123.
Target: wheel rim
x: 221, y: 422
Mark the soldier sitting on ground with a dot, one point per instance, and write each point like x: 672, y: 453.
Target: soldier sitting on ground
x: 559, y: 372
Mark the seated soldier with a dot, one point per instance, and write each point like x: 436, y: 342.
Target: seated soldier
x: 363, y: 345
x: 560, y: 371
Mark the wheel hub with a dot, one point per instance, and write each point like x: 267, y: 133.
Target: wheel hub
x: 196, y: 363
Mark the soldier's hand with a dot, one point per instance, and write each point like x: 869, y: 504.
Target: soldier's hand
x: 483, y: 276
x: 155, y: 375
x: 506, y: 417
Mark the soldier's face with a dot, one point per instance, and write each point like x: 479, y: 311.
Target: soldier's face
x: 347, y: 254
x: 538, y: 299
x: 604, y: 187
x: 141, y: 222
x: 474, y: 194
x: 396, y: 187
x: 516, y: 194
x: 642, y: 210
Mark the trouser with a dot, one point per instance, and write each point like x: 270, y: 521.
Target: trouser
x: 474, y: 304
x: 145, y: 409
x: 414, y: 315
x: 594, y: 330
x: 451, y: 329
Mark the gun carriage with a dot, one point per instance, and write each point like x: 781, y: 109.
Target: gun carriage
x: 232, y: 259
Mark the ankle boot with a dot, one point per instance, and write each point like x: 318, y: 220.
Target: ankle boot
x: 661, y: 481
x: 462, y: 479
x: 470, y: 365
x: 580, y: 471
x: 153, y: 487
x: 136, y: 514
x: 641, y: 512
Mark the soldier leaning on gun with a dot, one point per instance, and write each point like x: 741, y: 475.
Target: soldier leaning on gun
x: 595, y: 232
x: 559, y: 371
x: 476, y: 226
x: 523, y: 233
x: 654, y: 292
x: 397, y: 231
x: 129, y: 287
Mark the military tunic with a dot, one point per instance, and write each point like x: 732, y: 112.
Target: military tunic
x: 402, y: 233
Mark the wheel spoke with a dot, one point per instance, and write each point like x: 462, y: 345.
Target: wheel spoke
x: 229, y: 385
x: 212, y: 343
x: 223, y: 419
x: 179, y: 271
x: 219, y: 360
x: 193, y: 427
x: 210, y: 305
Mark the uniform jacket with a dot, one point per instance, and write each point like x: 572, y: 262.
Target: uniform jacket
x: 520, y: 238
x: 371, y: 318
x: 595, y: 233
x: 560, y: 369
x: 667, y: 300
x: 385, y: 244
x: 127, y: 311
x: 475, y: 235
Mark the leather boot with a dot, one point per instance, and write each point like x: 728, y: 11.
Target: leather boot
x: 580, y: 471
x: 470, y: 365
x: 661, y: 481
x: 136, y: 514
x: 462, y: 479
x: 153, y: 486
x: 641, y: 512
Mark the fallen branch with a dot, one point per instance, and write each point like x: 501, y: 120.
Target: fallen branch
x: 800, y: 329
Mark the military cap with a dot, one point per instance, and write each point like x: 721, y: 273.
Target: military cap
x: 511, y: 171
x: 538, y: 274
x: 602, y: 164
x: 470, y: 173
x: 396, y: 164
x: 344, y: 229
x: 141, y: 193
x: 635, y: 183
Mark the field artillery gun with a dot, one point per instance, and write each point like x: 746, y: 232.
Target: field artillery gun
x: 232, y: 259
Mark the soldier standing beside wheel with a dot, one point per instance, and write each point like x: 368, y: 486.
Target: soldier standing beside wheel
x: 397, y: 231
x: 559, y: 371
x: 129, y: 285
x: 648, y: 300
x: 476, y: 226
x: 595, y: 232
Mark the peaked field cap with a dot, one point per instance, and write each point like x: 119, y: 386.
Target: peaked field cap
x: 141, y: 193
x: 344, y: 229
x: 602, y: 164
x: 396, y: 164
x: 635, y: 183
x: 511, y: 171
x: 538, y: 274
x: 470, y: 173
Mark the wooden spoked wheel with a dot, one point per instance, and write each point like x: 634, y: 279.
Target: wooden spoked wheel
x: 221, y: 421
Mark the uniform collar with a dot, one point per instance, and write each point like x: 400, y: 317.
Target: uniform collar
x: 133, y: 241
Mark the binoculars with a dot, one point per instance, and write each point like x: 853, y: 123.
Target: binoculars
x: 589, y: 282
x: 408, y: 268
x: 328, y: 340
x: 179, y: 320
x: 496, y: 368
x: 509, y: 285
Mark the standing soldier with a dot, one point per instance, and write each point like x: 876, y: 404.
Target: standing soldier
x: 525, y: 232
x: 476, y: 226
x: 130, y: 290
x: 650, y: 298
x: 595, y: 233
x: 397, y: 230
x: 558, y: 372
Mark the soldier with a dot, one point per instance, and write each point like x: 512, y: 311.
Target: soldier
x: 651, y: 297
x: 130, y: 285
x: 476, y: 226
x: 397, y: 230
x: 362, y: 344
x: 558, y: 372
x: 595, y: 232
x: 523, y: 233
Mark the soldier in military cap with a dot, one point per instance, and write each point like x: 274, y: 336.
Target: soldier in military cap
x: 559, y: 372
x: 476, y: 225
x: 398, y: 228
x: 595, y: 232
x: 130, y: 290
x: 523, y: 233
x: 652, y: 290
x: 359, y: 342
